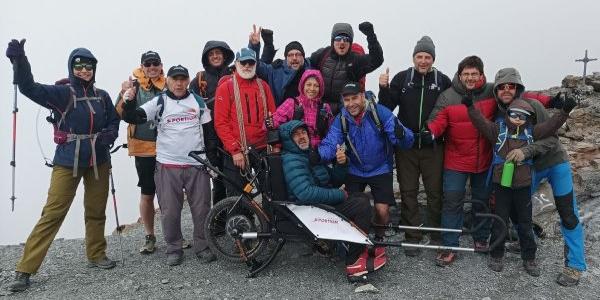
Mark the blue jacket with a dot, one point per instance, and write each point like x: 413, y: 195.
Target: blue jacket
x: 374, y: 148
x: 278, y: 75
x: 77, y: 119
x: 308, y: 184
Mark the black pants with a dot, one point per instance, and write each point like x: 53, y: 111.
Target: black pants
x: 515, y: 203
x: 357, y: 208
x: 232, y: 172
x: 219, y: 192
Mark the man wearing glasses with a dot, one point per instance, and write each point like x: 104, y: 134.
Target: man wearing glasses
x: 340, y: 65
x: 467, y: 155
x: 147, y: 82
x: 242, y: 106
x: 283, y: 76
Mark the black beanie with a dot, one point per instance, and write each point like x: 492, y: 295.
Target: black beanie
x: 425, y: 44
x: 294, y: 45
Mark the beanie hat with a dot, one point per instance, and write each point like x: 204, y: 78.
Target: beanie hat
x: 425, y: 44
x: 342, y: 29
x: 294, y: 45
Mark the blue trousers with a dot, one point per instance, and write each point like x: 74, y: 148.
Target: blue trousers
x: 561, y: 180
x: 452, y: 208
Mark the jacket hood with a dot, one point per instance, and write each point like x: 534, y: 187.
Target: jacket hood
x: 285, y: 133
x: 228, y: 54
x: 84, y: 53
x: 508, y: 75
x: 342, y: 28
x: 312, y: 73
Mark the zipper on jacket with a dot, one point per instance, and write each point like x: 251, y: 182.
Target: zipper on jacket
x: 248, y: 108
x: 421, y: 107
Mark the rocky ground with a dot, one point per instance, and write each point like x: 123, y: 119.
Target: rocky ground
x: 294, y: 274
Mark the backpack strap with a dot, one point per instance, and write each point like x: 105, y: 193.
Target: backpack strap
x: 347, y: 139
x: 202, y: 83
x: 372, y: 109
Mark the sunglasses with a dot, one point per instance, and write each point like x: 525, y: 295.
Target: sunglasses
x: 79, y: 67
x: 517, y: 115
x: 247, y: 62
x: 341, y: 38
x: 504, y: 86
x: 155, y: 63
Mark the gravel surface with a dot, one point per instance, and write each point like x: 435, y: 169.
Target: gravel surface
x: 292, y: 275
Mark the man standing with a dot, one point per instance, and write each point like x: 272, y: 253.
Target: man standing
x: 552, y: 163
x: 415, y: 91
x: 216, y: 58
x: 183, y: 123
x: 242, y: 105
x: 282, y: 76
x: 467, y: 154
x: 148, y: 82
x: 370, y: 133
x: 340, y: 65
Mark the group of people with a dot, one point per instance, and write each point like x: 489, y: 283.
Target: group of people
x: 335, y: 140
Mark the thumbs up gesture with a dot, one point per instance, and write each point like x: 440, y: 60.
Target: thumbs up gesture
x: 340, y: 155
x: 384, y: 78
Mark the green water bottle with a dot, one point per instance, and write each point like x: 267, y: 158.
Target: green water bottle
x: 507, y: 174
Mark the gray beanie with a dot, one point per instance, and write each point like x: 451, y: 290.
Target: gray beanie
x: 342, y: 29
x: 425, y: 44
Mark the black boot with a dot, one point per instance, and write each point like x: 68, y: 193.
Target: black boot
x: 20, y: 283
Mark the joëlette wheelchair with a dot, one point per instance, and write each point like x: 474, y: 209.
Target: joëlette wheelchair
x: 253, y: 229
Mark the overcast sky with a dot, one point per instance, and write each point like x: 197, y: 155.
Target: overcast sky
x: 540, y: 38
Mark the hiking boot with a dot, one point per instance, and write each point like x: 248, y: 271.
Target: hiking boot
x: 378, y: 262
x: 445, y: 258
x: 174, y: 259
x: 568, y: 277
x: 514, y: 247
x: 531, y: 267
x: 412, y: 252
x: 149, y: 245
x: 377, y: 251
x: 205, y: 256
x: 103, y: 263
x: 480, y: 246
x: 496, y: 264
x: 358, y: 268
x: 20, y: 283
x: 185, y: 244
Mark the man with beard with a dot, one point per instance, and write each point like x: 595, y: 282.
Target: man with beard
x: 243, y: 103
x: 216, y: 58
x: 283, y: 76
x: 340, y: 65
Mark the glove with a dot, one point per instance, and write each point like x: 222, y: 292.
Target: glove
x: 15, y: 49
x: 106, y: 137
x: 557, y: 101
x: 467, y: 100
x: 398, y: 130
x: 366, y: 28
x: 426, y: 137
x: 569, y: 104
x: 314, y: 157
x: 267, y: 36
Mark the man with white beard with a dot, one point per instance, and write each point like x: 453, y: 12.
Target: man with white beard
x: 242, y: 104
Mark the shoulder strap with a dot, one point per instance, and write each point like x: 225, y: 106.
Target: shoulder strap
x: 374, y: 114
x: 202, y: 84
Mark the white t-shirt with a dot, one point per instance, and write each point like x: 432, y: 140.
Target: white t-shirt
x: 180, y: 129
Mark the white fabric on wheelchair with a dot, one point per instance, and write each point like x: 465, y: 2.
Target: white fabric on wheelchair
x: 327, y: 225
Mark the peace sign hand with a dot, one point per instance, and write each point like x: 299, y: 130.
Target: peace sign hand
x: 254, y: 36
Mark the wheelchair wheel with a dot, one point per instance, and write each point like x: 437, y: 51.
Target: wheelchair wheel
x: 223, y: 218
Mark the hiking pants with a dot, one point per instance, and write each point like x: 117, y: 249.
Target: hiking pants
x: 170, y: 182
x: 60, y: 196
x: 452, y: 207
x: 515, y: 202
x: 561, y: 179
x: 233, y: 172
x: 357, y: 208
x: 427, y: 162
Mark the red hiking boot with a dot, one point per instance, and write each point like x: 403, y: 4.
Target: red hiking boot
x: 445, y: 258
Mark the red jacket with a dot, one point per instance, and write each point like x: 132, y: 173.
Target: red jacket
x: 466, y: 150
x: 226, y: 122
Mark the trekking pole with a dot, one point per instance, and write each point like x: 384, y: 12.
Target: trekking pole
x: 119, y: 228
x: 13, y: 162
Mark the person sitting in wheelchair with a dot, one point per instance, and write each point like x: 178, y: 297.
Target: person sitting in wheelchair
x: 310, y: 184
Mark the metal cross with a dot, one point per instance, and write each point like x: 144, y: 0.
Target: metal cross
x: 585, y: 61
